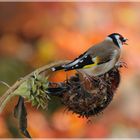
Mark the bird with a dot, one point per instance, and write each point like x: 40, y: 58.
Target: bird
x: 99, y: 58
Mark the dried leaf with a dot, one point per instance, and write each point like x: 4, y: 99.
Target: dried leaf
x: 21, y: 114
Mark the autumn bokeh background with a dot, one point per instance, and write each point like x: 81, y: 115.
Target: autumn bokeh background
x: 35, y: 34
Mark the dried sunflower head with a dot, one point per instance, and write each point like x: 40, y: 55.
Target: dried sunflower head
x: 85, y: 100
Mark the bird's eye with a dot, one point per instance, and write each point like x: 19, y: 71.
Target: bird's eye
x: 121, y: 38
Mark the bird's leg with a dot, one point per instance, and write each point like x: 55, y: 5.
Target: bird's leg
x: 121, y: 64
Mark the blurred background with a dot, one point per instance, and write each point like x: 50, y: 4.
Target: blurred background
x: 35, y: 34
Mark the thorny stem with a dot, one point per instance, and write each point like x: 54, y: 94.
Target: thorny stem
x: 45, y: 69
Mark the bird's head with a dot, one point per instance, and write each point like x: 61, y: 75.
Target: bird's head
x: 118, y: 39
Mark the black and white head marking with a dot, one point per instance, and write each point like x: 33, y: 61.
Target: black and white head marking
x: 117, y: 39
x: 119, y: 42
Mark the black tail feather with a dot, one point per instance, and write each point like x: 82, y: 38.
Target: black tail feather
x: 57, y: 68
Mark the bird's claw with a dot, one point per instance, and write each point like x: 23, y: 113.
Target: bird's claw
x: 121, y: 64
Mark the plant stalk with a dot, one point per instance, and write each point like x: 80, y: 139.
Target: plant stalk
x: 42, y: 70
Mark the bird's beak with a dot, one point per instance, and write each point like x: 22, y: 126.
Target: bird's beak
x: 124, y: 41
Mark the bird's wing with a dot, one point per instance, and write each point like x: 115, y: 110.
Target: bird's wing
x: 97, y: 60
x: 80, y: 62
x: 85, y: 61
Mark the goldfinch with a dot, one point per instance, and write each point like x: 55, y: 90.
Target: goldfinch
x: 98, y: 59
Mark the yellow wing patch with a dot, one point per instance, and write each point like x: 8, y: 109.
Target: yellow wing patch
x: 95, y: 60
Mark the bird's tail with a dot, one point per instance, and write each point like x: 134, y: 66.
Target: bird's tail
x: 57, y: 68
